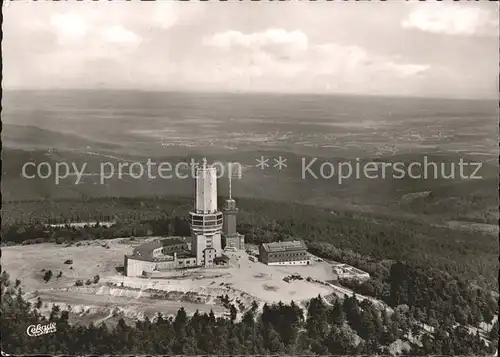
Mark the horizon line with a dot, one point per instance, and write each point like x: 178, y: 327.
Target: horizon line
x: 238, y: 92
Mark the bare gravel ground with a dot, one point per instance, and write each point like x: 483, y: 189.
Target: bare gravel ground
x: 243, y: 281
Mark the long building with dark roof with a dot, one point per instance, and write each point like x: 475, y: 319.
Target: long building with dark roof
x: 284, y: 253
x: 168, y: 253
x: 164, y: 246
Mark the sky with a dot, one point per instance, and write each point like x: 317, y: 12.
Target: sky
x: 435, y: 49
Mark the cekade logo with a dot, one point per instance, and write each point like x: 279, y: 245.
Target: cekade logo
x: 38, y: 330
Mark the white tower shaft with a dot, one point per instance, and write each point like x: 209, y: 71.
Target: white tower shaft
x: 206, y: 221
x: 206, y: 190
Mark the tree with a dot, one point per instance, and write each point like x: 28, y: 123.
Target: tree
x: 233, y: 312
x: 234, y: 346
x: 352, y: 312
x: 494, y: 331
x: 368, y: 328
x: 4, y: 278
x: 54, y: 313
x: 180, y: 322
x: 273, y: 341
x: 255, y: 306
x: 336, y: 314
x: 47, y: 276
x: 461, y: 314
x: 340, y: 341
x: 159, y: 319
x: 64, y: 316
x: 96, y: 279
x: 38, y: 303
x: 415, y: 330
x: 211, y: 318
x: 317, y: 323
x: 427, y: 345
x: 206, y: 340
x: 487, y: 315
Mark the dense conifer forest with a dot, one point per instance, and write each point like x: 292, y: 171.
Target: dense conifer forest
x: 472, y: 255
x: 341, y: 326
x: 432, y: 277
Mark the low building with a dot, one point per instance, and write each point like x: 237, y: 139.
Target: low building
x: 284, y: 253
x: 344, y: 271
x: 161, y: 247
x: 234, y: 243
x: 170, y: 253
x: 184, y: 259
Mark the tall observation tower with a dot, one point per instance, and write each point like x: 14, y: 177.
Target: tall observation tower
x: 206, y: 220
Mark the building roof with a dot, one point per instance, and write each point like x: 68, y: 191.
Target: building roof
x: 148, y: 258
x: 183, y: 254
x: 286, y: 246
x: 145, y: 250
x: 348, y: 269
x: 172, y: 241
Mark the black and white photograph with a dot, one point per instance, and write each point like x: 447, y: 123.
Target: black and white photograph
x: 250, y: 178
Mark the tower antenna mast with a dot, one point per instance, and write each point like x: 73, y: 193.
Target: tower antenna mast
x: 230, y: 175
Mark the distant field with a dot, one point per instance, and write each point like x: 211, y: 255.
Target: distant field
x: 114, y: 126
x: 455, y: 200
x: 169, y: 123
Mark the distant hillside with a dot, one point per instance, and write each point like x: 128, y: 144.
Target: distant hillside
x: 32, y: 137
x: 469, y: 200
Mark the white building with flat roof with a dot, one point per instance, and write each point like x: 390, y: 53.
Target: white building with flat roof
x: 344, y: 271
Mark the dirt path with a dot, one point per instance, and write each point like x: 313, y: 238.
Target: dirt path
x: 99, y: 321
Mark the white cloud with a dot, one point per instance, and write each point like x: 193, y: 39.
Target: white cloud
x: 250, y: 61
x: 118, y: 34
x: 451, y: 19
x: 407, y: 69
x: 69, y: 27
x: 278, y: 42
x: 299, y: 56
x: 332, y: 58
x: 290, y: 47
x: 167, y: 14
